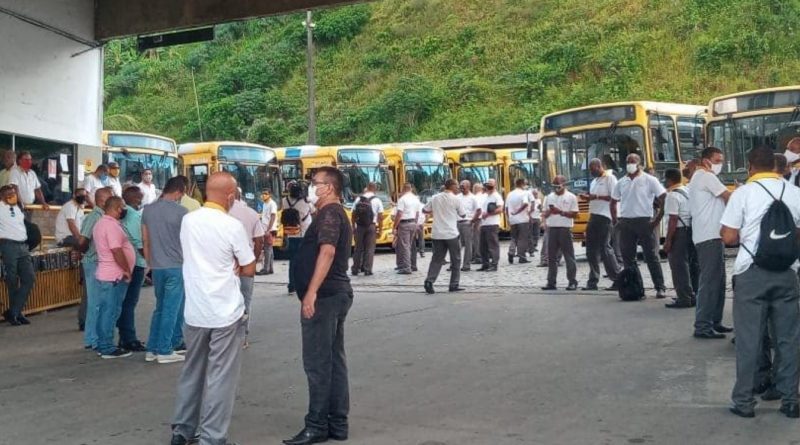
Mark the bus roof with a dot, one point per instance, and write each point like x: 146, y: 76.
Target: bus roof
x: 770, y: 98
x: 106, y: 133
x: 192, y: 148
x: 661, y: 107
x: 513, y: 154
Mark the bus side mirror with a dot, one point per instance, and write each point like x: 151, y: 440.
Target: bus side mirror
x: 530, y: 147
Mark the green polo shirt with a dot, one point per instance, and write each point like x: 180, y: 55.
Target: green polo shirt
x: 86, y: 231
x: 133, y: 229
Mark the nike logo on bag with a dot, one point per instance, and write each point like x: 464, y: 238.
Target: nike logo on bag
x: 773, y: 235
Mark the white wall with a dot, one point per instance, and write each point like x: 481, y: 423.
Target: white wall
x: 44, y: 91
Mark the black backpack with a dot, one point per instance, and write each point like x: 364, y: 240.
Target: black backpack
x: 363, y: 214
x: 630, y: 285
x: 777, y: 243
x: 290, y: 219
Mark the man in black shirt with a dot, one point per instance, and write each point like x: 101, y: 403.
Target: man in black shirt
x: 319, y: 271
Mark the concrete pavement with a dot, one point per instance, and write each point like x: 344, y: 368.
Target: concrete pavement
x: 502, y: 363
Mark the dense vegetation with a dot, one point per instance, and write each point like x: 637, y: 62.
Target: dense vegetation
x: 400, y: 70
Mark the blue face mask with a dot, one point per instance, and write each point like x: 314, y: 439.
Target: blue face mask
x: 104, y: 178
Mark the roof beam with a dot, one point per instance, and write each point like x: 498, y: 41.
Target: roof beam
x: 122, y: 18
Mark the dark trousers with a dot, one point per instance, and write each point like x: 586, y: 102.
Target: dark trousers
x: 19, y: 274
x: 679, y: 264
x: 637, y: 231
x: 293, y: 245
x: 490, y: 246
x: 762, y: 298
x: 560, y: 241
x: 325, y: 364
x: 440, y: 249
x: 520, y: 237
x: 711, y: 294
x: 598, y: 247
x: 533, y: 239
x: 364, y: 253
x: 127, y: 320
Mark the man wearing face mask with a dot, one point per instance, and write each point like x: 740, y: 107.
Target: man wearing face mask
x: 161, y: 229
x: 28, y: 185
x: 491, y: 209
x: 792, y: 155
x: 132, y: 224
x: 116, y: 257
x: 69, y: 219
x: 148, y: 188
x: 598, y: 230
x: 632, y: 202
x: 560, y: 210
x: 19, y: 275
x: 94, y: 182
x: 707, y: 199
x: 113, y: 178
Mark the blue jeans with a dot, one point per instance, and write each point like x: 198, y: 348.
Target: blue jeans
x: 110, y: 295
x: 90, y: 323
x: 127, y: 321
x: 166, y: 326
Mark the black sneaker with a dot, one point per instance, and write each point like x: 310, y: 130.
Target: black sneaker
x: 260, y: 272
x: 22, y: 320
x: 117, y: 353
x: 523, y: 261
x: 511, y: 259
x: 429, y: 287
x: 134, y: 346
x: 180, y: 349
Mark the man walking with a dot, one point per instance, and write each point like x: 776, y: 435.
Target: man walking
x: 325, y: 297
x: 269, y: 219
x: 518, y: 205
x: 561, y: 208
x: 19, y: 275
x: 255, y: 235
x: 634, y: 194
x: 491, y: 210
x: 161, y: 230
x: 764, y: 294
x: 598, y: 230
x: 216, y: 252
x: 367, y: 224
x: 678, y: 244
x: 405, y: 227
x: 132, y: 224
x: 707, y: 199
x: 447, y: 211
x: 465, y: 224
x: 87, y: 314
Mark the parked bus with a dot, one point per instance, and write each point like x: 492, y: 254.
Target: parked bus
x: 135, y: 152
x: 425, y: 167
x: 478, y: 165
x: 739, y: 122
x: 517, y: 164
x: 658, y: 132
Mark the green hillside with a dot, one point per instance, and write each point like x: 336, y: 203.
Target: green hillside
x: 406, y: 70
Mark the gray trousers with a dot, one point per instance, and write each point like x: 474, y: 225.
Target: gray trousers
x: 490, y: 246
x: 533, y: 239
x: 420, y: 240
x: 679, y: 264
x: 711, y: 294
x: 19, y: 273
x: 440, y: 249
x: 246, y: 287
x: 520, y: 237
x: 269, y: 257
x: 598, y: 247
x: 637, y: 231
x: 762, y: 298
x: 543, y: 256
x: 476, y: 242
x: 405, y: 236
x: 364, y: 253
x: 560, y: 241
x: 466, y: 239
x: 208, y: 381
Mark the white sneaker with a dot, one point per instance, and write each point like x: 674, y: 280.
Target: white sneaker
x: 149, y: 356
x: 171, y: 358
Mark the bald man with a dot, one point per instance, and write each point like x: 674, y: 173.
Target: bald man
x: 216, y: 252
x: 87, y: 314
x: 598, y: 230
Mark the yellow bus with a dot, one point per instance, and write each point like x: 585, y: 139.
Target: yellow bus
x: 478, y: 165
x: 517, y: 165
x: 360, y: 165
x: 135, y: 152
x: 658, y: 132
x: 742, y: 121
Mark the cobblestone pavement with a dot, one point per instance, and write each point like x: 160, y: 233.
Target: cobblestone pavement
x: 508, y: 277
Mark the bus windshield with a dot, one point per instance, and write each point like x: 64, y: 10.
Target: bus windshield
x: 525, y: 170
x: 478, y: 173
x: 735, y: 137
x: 427, y: 178
x: 291, y: 170
x: 252, y: 179
x: 131, y: 166
x: 569, y: 154
x: 356, y: 179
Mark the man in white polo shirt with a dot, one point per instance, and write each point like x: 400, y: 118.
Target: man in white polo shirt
x: 560, y: 210
x: 216, y: 251
x: 365, y: 232
x: 763, y: 296
x: 634, y: 195
x: 405, y: 229
x: 598, y: 230
x: 491, y: 209
x: 517, y: 205
x: 447, y: 210
x: 707, y: 198
x: 678, y: 244
x: 28, y: 185
x: 465, y: 225
x: 18, y: 267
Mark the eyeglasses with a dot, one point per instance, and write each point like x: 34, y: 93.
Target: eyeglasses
x: 316, y: 183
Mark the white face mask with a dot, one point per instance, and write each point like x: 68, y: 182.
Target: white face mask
x: 716, y: 168
x: 791, y: 156
x: 632, y: 168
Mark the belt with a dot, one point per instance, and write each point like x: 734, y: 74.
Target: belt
x: 6, y: 240
x: 407, y: 220
x: 464, y: 220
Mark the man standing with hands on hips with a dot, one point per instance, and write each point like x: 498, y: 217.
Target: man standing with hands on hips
x: 320, y: 274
